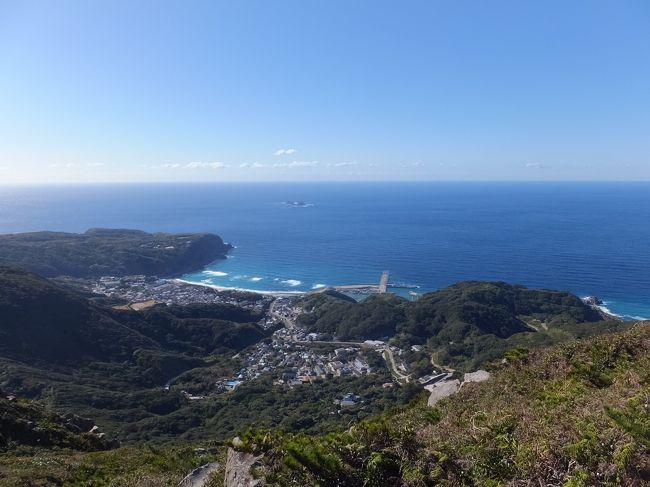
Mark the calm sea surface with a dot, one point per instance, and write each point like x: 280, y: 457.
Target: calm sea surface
x: 588, y: 238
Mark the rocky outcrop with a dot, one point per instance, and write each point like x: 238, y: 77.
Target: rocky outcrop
x: 27, y: 423
x: 199, y: 476
x: 443, y: 389
x: 446, y: 388
x: 593, y: 301
x: 598, y: 305
x: 240, y: 468
x: 478, y: 376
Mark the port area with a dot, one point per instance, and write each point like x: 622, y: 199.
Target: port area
x: 383, y: 287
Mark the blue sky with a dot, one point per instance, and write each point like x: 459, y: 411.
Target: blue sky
x: 98, y: 91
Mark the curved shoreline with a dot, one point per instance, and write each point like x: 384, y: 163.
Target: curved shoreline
x: 244, y: 290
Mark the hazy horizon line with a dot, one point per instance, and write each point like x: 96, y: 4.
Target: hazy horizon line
x: 334, y: 181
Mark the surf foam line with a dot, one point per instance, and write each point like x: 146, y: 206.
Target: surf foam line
x: 241, y: 289
x: 215, y: 273
x: 606, y: 310
x: 292, y: 282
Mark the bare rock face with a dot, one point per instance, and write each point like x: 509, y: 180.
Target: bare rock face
x: 238, y: 469
x: 443, y: 389
x: 199, y: 476
x: 478, y: 376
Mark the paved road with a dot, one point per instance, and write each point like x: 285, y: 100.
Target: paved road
x: 284, y: 319
x: 390, y: 360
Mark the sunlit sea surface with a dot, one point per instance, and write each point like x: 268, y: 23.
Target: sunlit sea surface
x: 588, y: 238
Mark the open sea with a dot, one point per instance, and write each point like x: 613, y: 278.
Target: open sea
x: 587, y: 238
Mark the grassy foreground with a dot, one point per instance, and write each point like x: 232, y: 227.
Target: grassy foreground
x: 143, y: 466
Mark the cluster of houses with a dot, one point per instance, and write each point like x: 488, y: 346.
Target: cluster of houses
x: 295, y: 364
x: 348, y: 400
x: 147, y: 288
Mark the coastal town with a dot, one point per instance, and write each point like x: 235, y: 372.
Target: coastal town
x: 140, y: 289
x: 292, y: 356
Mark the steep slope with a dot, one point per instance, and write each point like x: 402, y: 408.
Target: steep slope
x: 27, y: 423
x: 44, y: 322
x: 41, y: 321
x: 572, y: 415
x: 102, y: 252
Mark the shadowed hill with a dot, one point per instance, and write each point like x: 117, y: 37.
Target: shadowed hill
x: 108, y: 252
x: 43, y: 322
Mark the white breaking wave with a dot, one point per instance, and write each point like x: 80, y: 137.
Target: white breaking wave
x: 215, y: 273
x: 319, y: 286
x: 292, y: 282
x: 604, y: 308
x: 230, y: 288
x: 255, y: 279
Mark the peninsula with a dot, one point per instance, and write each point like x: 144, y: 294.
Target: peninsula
x: 115, y: 252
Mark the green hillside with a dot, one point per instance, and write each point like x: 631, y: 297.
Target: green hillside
x: 464, y: 325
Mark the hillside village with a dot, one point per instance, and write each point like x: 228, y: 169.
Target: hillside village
x: 292, y: 355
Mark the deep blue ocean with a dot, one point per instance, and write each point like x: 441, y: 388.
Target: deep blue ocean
x: 588, y: 238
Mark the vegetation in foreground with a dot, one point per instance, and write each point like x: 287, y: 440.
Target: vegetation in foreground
x: 42, y: 448
x: 572, y: 415
x: 134, y: 466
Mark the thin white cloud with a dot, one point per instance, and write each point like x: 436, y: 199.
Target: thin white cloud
x: 535, y: 165
x: 95, y: 164
x: 296, y: 164
x: 254, y: 165
x: 206, y: 165
x: 284, y: 152
x: 343, y: 164
x: 190, y: 165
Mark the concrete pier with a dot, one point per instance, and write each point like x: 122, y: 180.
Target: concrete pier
x: 383, y: 282
x: 382, y: 288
